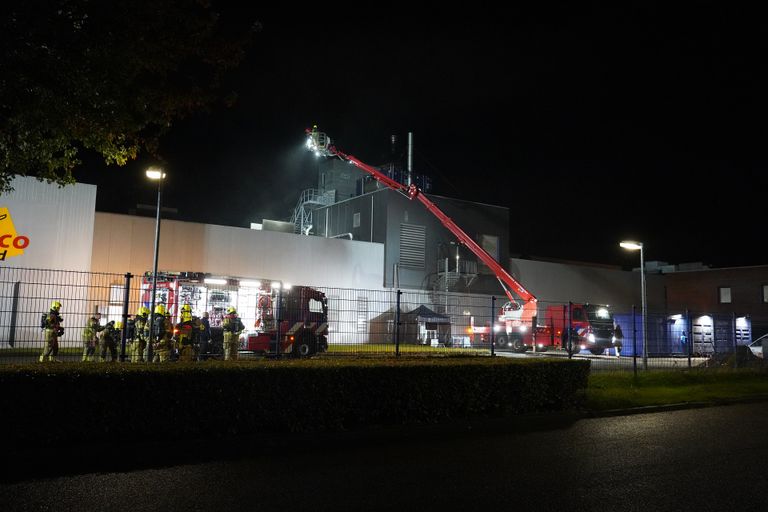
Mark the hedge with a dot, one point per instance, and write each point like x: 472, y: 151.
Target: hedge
x: 61, y: 402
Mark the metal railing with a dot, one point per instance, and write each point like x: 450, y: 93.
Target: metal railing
x: 346, y: 322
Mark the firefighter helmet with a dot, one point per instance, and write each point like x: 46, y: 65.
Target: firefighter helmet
x: 118, y: 325
x: 186, y: 308
x: 143, y: 311
x: 160, y: 309
x: 55, y: 305
x: 231, y: 310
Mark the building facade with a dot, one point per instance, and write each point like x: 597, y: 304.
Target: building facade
x: 364, y: 247
x: 419, y: 252
x: 726, y: 292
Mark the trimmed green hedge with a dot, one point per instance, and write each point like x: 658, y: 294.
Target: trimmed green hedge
x: 52, y: 403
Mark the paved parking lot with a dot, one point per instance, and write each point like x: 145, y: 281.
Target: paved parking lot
x: 615, y: 363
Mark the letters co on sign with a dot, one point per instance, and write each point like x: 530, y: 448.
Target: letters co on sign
x: 11, y: 243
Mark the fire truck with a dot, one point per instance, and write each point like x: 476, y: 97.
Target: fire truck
x: 280, y: 319
x: 591, y: 326
x: 516, y: 326
x: 173, y: 290
x: 290, y: 320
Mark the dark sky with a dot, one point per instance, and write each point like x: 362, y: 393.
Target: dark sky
x: 592, y: 124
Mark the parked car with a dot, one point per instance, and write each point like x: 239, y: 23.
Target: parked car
x: 757, y: 346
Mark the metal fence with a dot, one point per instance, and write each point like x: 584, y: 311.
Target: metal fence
x: 350, y: 322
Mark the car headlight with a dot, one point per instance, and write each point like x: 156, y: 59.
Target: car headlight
x: 591, y: 338
x: 522, y: 328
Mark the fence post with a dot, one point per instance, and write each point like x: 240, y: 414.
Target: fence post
x: 278, y: 319
x: 14, y: 313
x: 563, y: 333
x: 397, y: 324
x: 149, y: 350
x: 689, y: 335
x: 735, y: 345
x: 634, y: 340
x: 570, y: 330
x: 126, y: 297
x: 492, y: 337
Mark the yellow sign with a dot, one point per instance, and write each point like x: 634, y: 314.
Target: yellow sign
x: 11, y: 243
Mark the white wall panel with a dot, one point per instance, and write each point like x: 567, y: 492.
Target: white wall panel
x: 125, y: 243
x: 58, y: 222
x: 561, y: 282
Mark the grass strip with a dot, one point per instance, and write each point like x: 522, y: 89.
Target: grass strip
x: 618, y: 390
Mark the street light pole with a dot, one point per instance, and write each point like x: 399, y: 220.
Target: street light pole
x: 645, y: 310
x: 155, y: 174
x: 634, y: 246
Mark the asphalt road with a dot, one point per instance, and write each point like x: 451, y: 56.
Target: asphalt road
x: 703, y: 459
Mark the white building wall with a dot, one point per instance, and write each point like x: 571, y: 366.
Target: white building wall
x: 58, y: 222
x: 125, y: 243
x: 562, y: 282
x: 59, y: 225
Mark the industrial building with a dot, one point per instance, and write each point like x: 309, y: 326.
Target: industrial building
x: 369, y: 244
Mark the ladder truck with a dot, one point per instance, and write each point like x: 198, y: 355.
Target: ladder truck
x: 516, y: 326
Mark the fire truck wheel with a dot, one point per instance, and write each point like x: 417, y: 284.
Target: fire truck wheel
x: 305, y: 344
x: 516, y: 342
x: 501, y: 341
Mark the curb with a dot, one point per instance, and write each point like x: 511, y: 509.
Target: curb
x: 675, y: 407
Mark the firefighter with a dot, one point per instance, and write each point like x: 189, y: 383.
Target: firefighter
x: 91, y: 336
x: 198, y: 331
x: 204, y: 336
x: 618, y: 340
x: 233, y: 326
x: 108, y: 340
x: 161, y: 334
x: 139, y: 335
x: 51, y: 324
x: 185, y: 334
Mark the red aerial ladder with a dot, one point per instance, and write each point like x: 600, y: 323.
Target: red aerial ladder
x: 517, y: 318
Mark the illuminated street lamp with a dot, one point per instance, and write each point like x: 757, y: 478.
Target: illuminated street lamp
x: 155, y: 173
x: 634, y: 246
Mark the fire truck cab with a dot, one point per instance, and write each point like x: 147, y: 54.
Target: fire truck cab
x: 591, y: 326
x: 291, y: 320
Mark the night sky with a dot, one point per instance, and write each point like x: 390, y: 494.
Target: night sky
x: 591, y: 124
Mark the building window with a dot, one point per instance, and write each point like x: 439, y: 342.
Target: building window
x: 724, y: 293
x: 356, y: 220
x: 413, y: 243
x: 765, y: 294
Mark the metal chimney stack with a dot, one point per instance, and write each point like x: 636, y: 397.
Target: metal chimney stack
x: 393, y: 154
x: 410, y: 158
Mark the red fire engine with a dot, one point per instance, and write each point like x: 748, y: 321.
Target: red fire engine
x: 297, y: 316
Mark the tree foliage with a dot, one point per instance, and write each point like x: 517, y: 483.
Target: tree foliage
x: 107, y: 76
